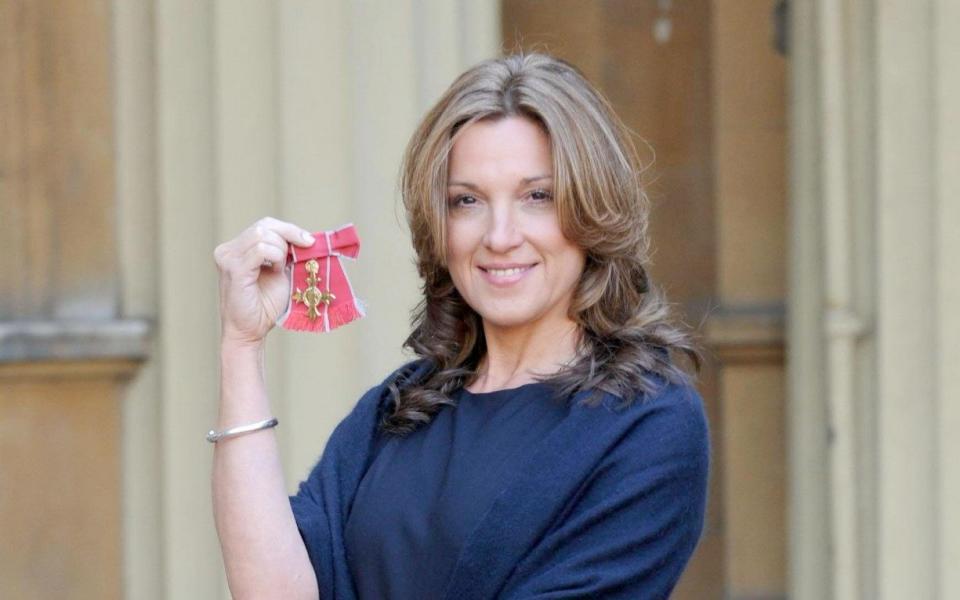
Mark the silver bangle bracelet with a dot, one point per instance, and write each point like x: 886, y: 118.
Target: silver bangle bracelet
x: 216, y: 436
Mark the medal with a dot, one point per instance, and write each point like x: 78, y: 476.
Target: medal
x: 321, y: 297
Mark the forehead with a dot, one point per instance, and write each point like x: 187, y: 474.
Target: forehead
x: 509, y: 146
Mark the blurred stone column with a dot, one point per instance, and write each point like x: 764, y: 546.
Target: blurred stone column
x: 873, y: 334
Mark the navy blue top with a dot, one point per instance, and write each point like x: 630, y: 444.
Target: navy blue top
x: 424, y: 493
x: 509, y: 495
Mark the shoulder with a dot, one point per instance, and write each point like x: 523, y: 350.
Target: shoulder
x: 411, y: 371
x: 676, y: 407
x: 668, y: 426
x: 361, y: 422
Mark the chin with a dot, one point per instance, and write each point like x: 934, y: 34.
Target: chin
x: 506, y: 317
x: 504, y: 322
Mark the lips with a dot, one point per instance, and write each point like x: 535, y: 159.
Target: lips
x: 505, y: 273
x: 501, y: 267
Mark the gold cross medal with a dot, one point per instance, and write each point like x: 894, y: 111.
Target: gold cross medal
x: 314, y: 296
x: 321, y: 297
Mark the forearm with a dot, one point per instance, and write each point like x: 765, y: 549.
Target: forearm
x: 263, y: 552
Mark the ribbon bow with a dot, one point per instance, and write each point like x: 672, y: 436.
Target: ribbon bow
x: 321, y: 297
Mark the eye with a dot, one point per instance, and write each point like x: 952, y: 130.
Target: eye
x: 462, y: 200
x: 541, y: 195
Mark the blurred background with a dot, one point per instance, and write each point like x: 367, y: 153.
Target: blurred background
x: 803, y: 163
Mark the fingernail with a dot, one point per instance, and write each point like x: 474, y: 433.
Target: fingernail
x: 307, y: 237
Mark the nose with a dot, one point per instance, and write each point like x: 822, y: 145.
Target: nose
x: 503, y: 232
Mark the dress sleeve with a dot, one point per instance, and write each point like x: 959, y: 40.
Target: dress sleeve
x: 634, y: 524
x: 321, y: 501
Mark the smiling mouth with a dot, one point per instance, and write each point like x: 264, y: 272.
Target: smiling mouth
x: 507, y: 272
x: 506, y: 275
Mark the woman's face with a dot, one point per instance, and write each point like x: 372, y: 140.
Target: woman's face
x: 506, y: 253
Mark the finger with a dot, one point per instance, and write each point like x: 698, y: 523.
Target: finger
x: 261, y: 235
x: 263, y: 251
x: 275, y: 239
x: 278, y: 265
x: 288, y: 231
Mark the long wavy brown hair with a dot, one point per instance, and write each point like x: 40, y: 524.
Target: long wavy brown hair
x: 629, y: 341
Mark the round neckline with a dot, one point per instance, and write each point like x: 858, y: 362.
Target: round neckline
x: 504, y: 392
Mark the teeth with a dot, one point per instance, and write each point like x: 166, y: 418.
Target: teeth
x: 506, y: 272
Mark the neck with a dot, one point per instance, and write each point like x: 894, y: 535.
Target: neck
x: 518, y: 355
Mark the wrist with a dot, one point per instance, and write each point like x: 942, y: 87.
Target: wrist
x: 233, y: 342
x: 241, y: 358
x: 243, y: 393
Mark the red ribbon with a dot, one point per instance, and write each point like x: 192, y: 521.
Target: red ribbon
x: 321, y: 297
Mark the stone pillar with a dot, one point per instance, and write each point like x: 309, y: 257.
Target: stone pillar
x: 874, y: 333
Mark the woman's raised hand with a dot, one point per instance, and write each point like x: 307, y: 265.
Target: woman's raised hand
x: 254, y: 286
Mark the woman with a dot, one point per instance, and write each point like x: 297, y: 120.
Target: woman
x: 546, y: 443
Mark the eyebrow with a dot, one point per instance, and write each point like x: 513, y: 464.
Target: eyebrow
x: 524, y: 181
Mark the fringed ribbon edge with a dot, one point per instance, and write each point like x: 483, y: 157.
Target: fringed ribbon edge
x: 336, y: 317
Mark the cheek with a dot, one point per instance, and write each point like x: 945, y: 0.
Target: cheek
x: 572, y: 261
x: 458, y: 248
x: 574, y: 268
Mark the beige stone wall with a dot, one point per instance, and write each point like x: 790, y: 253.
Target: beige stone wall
x: 875, y: 282
x: 228, y: 111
